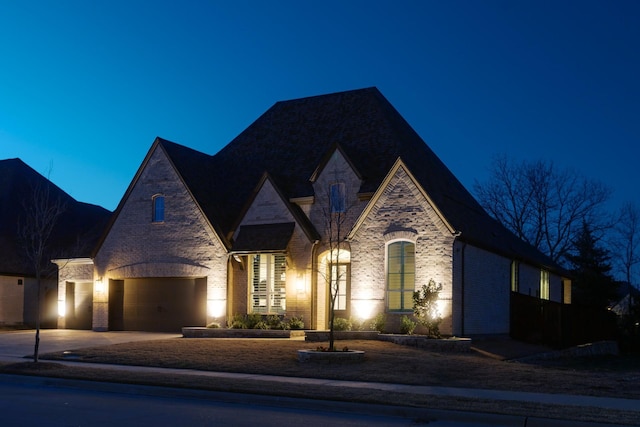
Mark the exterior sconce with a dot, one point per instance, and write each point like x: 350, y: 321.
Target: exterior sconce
x: 99, y: 286
x: 61, y: 308
x: 300, y: 284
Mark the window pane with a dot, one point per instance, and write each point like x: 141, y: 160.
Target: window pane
x: 394, y: 282
x: 394, y: 300
x: 400, y: 275
x: 158, y: 209
x: 337, y: 197
x: 268, y: 284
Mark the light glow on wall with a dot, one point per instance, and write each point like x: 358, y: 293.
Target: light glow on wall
x: 363, y: 309
x: 300, y: 288
x: 443, y: 307
x: 61, y: 308
x: 216, y: 308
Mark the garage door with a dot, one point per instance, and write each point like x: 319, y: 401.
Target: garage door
x: 158, y: 305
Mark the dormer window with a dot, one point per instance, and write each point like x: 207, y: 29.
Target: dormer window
x: 337, y: 194
x: 158, y: 208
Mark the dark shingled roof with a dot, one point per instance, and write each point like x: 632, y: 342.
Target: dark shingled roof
x: 292, y: 138
x: 77, y: 229
x: 264, y: 237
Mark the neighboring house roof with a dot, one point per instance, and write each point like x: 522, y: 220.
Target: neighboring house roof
x: 76, y: 231
x: 292, y: 139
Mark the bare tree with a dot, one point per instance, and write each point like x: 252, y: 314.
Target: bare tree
x: 334, y: 215
x: 543, y: 205
x: 42, y: 208
x: 627, y: 239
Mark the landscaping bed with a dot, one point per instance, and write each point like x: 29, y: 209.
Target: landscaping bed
x: 195, y: 332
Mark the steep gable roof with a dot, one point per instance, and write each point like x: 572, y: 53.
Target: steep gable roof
x: 75, y: 233
x: 293, y: 138
x: 194, y: 169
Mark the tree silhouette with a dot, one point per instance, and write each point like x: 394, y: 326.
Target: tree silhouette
x: 543, y: 205
x: 42, y: 208
x: 593, y: 285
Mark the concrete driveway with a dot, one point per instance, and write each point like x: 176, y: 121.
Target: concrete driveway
x: 16, y: 345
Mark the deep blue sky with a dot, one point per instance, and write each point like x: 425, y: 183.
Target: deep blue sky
x: 86, y: 86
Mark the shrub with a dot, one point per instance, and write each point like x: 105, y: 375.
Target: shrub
x: 238, y: 322
x: 252, y: 320
x: 261, y: 325
x: 342, y: 324
x: 425, y: 308
x: 213, y: 325
x: 407, y: 325
x: 296, y: 323
x: 378, y: 323
x: 275, y: 322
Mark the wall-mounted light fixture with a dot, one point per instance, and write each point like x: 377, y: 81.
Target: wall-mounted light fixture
x: 99, y: 285
x: 61, y: 308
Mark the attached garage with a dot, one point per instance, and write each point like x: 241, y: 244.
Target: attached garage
x: 157, y: 304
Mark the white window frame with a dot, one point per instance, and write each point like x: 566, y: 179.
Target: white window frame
x: 267, y: 292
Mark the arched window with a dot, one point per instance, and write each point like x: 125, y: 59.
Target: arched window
x: 401, y: 271
x: 158, y: 208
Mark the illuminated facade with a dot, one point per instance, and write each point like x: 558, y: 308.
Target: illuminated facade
x: 199, y: 238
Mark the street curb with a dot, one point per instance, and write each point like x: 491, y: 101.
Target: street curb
x: 417, y: 415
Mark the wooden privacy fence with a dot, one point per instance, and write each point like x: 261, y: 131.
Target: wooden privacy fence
x: 558, y: 325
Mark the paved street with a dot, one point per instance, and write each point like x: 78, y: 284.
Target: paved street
x: 36, y: 403
x: 32, y: 400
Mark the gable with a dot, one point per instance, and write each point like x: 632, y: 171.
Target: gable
x: 267, y: 207
x: 401, y: 200
x: 134, y: 239
x: 290, y: 142
x: 268, y: 221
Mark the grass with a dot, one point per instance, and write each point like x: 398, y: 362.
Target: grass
x: 384, y: 362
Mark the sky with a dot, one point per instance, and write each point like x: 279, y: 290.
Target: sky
x: 86, y: 86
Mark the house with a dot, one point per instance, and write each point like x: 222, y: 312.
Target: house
x: 76, y: 232
x: 198, y: 238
